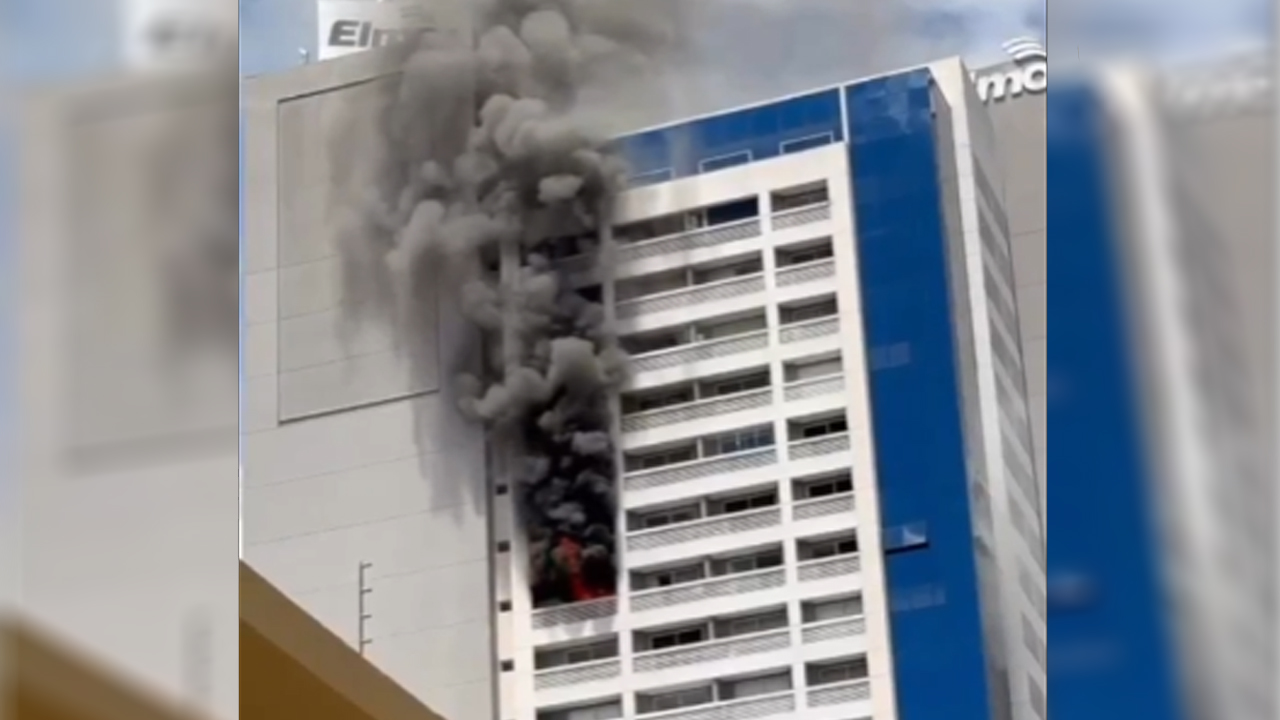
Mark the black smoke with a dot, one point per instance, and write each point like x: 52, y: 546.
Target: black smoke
x: 481, y: 162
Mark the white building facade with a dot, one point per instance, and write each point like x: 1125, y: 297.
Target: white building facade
x: 828, y: 497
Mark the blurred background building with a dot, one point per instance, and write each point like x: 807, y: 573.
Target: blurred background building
x: 1162, y: 598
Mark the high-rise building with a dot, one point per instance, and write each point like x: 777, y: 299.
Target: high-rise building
x: 829, y: 505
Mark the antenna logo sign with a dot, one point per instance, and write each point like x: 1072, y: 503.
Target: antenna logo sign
x: 1029, y: 77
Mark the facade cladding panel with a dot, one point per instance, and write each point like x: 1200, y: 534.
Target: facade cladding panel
x: 917, y: 415
x: 1112, y: 654
x: 351, y: 456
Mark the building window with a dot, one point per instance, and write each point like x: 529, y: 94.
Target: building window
x: 747, y: 563
x: 508, y: 665
x: 661, y: 702
x: 890, y: 356
x: 501, y: 490
x: 730, y: 386
x: 504, y: 546
x: 743, y: 503
x: 600, y: 711
x: 806, y: 430
x: 750, y: 687
x: 661, y: 458
x: 818, y: 549
x: 738, y: 441
x: 672, y: 638
x: 824, y: 487
x: 808, y: 311
x: 504, y: 606
x: 800, y: 196
x: 823, y: 610
x: 906, y: 537
x: 812, y: 368
x: 836, y: 672
x: 559, y: 657
x: 665, y: 517
x: 750, y: 624
x: 807, y: 253
x: 668, y: 577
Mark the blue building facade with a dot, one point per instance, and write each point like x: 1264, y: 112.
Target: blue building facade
x: 1112, y: 656
x: 888, y: 126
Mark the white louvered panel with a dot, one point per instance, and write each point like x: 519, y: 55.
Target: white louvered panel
x: 830, y: 567
x: 818, y: 446
x: 574, y: 613
x: 685, y: 354
x: 709, y: 237
x: 816, y: 387
x: 700, y: 469
x: 577, y: 674
x: 702, y: 529
x: 822, y: 507
x: 801, y: 216
x: 839, y: 694
x: 708, y: 589
x: 810, y: 329
x: 697, y: 410
x: 689, y: 297
x: 834, y: 630
x: 708, y: 652
x: 747, y: 709
x: 808, y: 272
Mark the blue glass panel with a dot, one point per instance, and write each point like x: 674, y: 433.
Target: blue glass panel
x: 725, y: 161
x: 1109, y: 649
x: 935, y: 621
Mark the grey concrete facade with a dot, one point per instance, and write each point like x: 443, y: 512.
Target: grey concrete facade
x: 351, y: 454
x: 1019, y: 125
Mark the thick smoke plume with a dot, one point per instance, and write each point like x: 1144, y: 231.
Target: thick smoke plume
x: 482, y: 170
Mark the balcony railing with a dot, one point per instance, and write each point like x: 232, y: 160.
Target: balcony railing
x: 705, y: 528
x: 810, y: 329
x: 814, y: 387
x: 695, y: 469
x: 823, y: 506
x: 811, y: 570
x: 574, y: 613
x: 691, y: 296
x: 719, y: 587
x: 695, y: 352
x: 697, y: 410
x: 815, y: 447
x: 807, y: 272
x: 725, y: 649
x: 837, y: 629
x: 801, y: 216
x: 577, y: 674
x: 693, y: 240
x: 838, y: 694
x: 749, y: 708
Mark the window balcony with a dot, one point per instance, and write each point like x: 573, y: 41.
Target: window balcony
x: 712, y: 651
x: 700, y: 351
x: 800, y: 205
x: 823, y: 507
x: 813, y: 387
x: 574, y: 613
x: 579, y: 674
x: 816, y: 447
x: 716, y: 587
x: 838, y: 693
x: 829, y: 567
x: 689, y: 240
x: 720, y: 526
x: 837, y: 629
x: 809, y: 329
x: 697, y: 410
x: 750, y: 708
x: 806, y: 272
x: 690, y: 287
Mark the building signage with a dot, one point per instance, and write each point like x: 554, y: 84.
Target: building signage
x: 1028, y: 76
x: 348, y: 26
